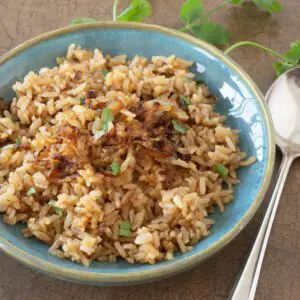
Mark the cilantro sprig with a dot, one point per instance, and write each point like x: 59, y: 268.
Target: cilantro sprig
x: 292, y: 59
x: 271, y: 6
x: 198, y: 21
x: 137, y: 11
x: 288, y: 60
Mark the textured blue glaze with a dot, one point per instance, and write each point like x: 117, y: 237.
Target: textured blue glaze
x: 235, y: 99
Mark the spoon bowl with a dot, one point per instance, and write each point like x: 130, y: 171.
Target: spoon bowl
x: 286, y: 89
x: 283, y: 100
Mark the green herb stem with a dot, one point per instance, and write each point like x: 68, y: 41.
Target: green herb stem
x: 185, y: 29
x: 199, y: 21
x: 189, y: 26
x: 115, y: 8
x: 217, y: 8
x: 256, y: 45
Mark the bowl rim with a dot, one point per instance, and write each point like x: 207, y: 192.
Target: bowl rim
x: 175, y: 266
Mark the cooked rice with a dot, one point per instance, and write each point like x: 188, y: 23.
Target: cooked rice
x: 53, y: 144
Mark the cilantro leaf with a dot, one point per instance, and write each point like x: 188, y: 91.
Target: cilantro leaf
x: 282, y: 67
x: 115, y: 168
x: 124, y: 228
x: 185, y: 101
x: 30, y: 192
x: 83, y: 21
x: 104, y: 72
x: 56, y: 209
x: 237, y: 2
x: 271, y: 6
x: 221, y: 170
x: 106, y: 118
x: 18, y: 141
x: 197, y: 22
x: 137, y: 11
x: 292, y: 59
x: 178, y: 126
x: 212, y: 33
x: 191, y: 10
x: 294, y: 53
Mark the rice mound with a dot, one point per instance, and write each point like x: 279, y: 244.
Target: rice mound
x: 103, y: 157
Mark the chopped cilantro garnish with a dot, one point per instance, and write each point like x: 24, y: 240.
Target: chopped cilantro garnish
x: 124, y: 229
x: 104, y: 72
x: 106, y: 118
x: 221, y: 170
x: 18, y: 141
x: 56, y: 209
x: 115, y: 168
x: 185, y: 100
x: 178, y: 126
x: 30, y: 192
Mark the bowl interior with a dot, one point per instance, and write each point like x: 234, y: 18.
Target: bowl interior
x: 236, y: 100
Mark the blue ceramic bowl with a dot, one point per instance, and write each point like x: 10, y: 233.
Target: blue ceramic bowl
x: 238, y: 98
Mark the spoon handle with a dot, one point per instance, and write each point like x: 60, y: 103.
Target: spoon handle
x: 246, y: 285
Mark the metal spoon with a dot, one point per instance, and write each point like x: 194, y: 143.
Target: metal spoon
x: 283, y: 99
